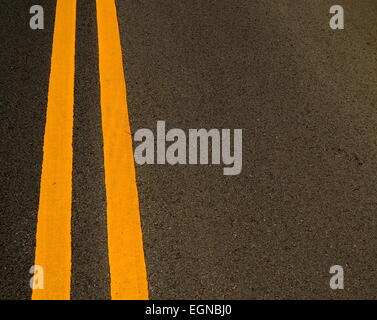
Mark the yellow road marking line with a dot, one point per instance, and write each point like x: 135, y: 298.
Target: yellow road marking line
x: 126, y: 254
x: 53, y: 238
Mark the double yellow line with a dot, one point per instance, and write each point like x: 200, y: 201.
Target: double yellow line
x: 53, y: 238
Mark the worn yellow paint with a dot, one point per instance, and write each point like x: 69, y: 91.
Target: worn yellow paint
x: 53, y: 237
x: 125, y: 244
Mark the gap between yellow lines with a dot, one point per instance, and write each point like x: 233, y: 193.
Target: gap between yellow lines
x: 125, y: 245
x: 53, y: 237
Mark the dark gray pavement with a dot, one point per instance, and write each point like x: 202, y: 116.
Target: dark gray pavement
x: 90, y: 267
x: 305, y: 97
x: 24, y: 73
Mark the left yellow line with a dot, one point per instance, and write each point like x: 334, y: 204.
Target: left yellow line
x: 53, y: 238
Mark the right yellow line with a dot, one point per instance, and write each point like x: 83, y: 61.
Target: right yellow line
x: 125, y: 243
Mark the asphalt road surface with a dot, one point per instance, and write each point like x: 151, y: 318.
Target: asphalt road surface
x: 304, y: 96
